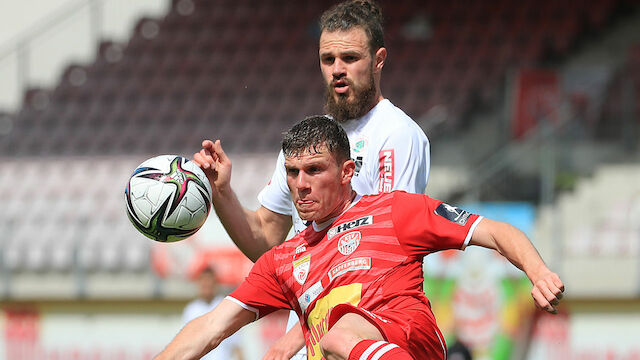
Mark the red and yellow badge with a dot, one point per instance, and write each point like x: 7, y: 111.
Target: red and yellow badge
x: 301, y: 269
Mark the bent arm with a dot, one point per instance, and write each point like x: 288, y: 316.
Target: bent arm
x: 205, y: 333
x: 254, y: 232
x: 514, y: 245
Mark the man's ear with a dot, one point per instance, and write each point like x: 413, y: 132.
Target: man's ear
x: 348, y: 169
x: 380, y: 58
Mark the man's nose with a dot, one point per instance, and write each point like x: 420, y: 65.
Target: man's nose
x: 302, y: 181
x: 339, y: 69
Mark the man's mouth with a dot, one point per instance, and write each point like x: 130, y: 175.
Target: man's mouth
x: 305, y: 203
x: 341, y: 86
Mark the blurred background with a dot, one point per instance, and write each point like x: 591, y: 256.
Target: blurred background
x: 532, y: 109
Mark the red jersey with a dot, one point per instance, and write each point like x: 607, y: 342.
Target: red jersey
x: 370, y: 257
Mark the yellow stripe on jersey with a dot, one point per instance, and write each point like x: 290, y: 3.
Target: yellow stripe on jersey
x: 318, y: 317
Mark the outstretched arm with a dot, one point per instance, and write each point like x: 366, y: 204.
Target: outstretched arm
x: 254, y: 232
x: 514, y: 245
x: 205, y: 333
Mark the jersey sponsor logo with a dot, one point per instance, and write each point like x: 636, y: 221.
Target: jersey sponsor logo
x: 386, y: 167
x: 361, y: 263
x: 367, y: 220
x: 452, y: 213
x: 301, y: 249
x: 301, y: 269
x: 349, y: 242
x: 308, y: 296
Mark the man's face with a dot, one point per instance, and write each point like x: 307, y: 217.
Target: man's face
x: 348, y: 68
x: 316, y: 182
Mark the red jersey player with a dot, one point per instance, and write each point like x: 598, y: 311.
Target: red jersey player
x: 355, y: 274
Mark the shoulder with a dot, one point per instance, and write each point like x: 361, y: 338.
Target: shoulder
x: 394, y: 197
x: 375, y: 200
x: 392, y: 120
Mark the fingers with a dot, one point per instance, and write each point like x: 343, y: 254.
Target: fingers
x: 207, y: 157
x: 217, y: 148
x: 542, y: 302
x: 204, y: 159
x: 548, y: 292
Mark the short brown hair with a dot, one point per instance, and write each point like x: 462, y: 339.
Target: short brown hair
x: 314, y: 132
x: 351, y: 13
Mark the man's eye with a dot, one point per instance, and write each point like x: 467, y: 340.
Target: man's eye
x: 328, y: 60
x: 292, y: 172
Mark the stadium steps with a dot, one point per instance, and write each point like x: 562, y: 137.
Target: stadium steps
x: 592, y: 235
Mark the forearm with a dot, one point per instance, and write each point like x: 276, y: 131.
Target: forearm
x: 243, y: 225
x: 514, y: 245
x: 205, y: 333
x: 192, y: 342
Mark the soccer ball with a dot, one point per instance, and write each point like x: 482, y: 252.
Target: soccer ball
x: 168, y: 198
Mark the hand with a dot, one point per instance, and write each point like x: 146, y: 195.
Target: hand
x: 547, y: 292
x: 287, y: 346
x: 215, y: 164
x: 276, y: 353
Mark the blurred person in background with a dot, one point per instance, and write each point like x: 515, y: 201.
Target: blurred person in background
x: 390, y: 150
x: 209, y: 296
x: 355, y: 274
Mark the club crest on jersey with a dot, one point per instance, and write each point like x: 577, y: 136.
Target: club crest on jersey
x: 360, y: 145
x: 367, y: 220
x: 301, y: 269
x: 349, y: 242
x: 452, y: 213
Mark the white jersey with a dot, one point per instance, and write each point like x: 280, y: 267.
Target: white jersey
x: 391, y: 152
x: 199, y: 307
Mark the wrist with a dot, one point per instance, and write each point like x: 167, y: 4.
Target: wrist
x: 537, y: 272
x: 222, y: 193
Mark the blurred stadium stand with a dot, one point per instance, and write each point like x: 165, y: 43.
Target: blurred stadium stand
x: 228, y: 66
x: 244, y: 71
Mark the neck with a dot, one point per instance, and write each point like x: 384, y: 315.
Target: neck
x: 344, y: 205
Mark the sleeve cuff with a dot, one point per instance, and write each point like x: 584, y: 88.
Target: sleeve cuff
x: 470, y: 233
x: 244, y: 306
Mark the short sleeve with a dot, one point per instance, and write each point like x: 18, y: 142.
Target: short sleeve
x: 261, y: 292
x: 275, y: 196
x: 403, y: 161
x: 425, y: 225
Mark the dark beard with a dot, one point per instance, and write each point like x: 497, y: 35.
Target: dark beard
x: 341, y: 110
